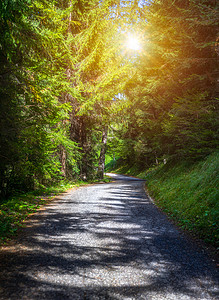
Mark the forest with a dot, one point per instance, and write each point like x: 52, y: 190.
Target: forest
x: 73, y: 90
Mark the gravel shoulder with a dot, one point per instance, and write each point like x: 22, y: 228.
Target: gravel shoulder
x: 105, y: 241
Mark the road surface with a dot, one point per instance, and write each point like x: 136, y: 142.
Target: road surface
x: 105, y: 241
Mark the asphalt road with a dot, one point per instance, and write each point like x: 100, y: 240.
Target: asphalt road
x: 105, y: 241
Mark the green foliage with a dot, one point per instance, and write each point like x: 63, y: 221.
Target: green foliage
x: 60, y: 70
x: 99, y: 73
x: 173, y: 103
x: 33, y: 121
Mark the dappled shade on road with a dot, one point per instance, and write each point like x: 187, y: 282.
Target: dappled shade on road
x: 105, y: 241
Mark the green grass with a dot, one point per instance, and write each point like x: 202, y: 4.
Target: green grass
x: 188, y: 193
x: 14, y: 211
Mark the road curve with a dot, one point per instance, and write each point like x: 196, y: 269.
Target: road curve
x: 105, y: 241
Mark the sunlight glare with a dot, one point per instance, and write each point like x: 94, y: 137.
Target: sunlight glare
x: 133, y: 43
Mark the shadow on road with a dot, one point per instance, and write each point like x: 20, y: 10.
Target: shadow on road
x: 83, y: 255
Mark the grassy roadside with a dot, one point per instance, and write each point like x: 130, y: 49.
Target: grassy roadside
x: 188, y: 193
x: 14, y: 211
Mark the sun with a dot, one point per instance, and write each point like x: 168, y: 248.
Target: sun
x: 133, y: 43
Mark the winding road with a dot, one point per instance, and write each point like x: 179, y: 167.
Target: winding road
x: 105, y: 241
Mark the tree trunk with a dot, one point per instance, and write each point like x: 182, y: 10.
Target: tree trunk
x: 66, y: 99
x: 101, y: 165
x: 63, y: 158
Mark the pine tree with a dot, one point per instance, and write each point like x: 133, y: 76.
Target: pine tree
x: 173, y: 91
x: 32, y: 49
x: 99, y: 75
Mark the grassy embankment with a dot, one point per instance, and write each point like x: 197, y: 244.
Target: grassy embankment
x: 14, y: 211
x: 188, y: 193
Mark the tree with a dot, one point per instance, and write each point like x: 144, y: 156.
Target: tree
x: 99, y: 74
x: 173, y: 104
x: 32, y: 79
